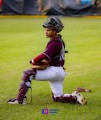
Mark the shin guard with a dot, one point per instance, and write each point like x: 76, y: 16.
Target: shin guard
x: 65, y: 98
x: 22, y: 92
x: 25, y: 84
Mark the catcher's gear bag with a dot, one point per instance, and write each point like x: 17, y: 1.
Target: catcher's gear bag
x: 54, y: 22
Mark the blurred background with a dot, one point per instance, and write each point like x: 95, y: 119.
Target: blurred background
x: 50, y: 7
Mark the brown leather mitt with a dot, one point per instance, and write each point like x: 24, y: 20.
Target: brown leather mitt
x: 41, y: 66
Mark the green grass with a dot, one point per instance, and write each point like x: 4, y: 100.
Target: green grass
x: 21, y: 39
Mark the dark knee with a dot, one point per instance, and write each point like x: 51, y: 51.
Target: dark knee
x: 27, y: 74
x: 30, y: 72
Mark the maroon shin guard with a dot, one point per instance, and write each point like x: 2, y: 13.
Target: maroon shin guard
x: 22, y: 92
x: 26, y: 84
x: 65, y: 99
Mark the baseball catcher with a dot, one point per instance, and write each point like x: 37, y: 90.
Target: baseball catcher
x: 49, y: 66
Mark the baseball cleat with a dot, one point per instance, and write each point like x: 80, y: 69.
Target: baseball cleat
x: 80, y: 98
x: 15, y: 101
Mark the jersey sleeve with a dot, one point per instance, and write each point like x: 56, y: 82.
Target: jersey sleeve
x: 52, y: 50
x: 39, y: 58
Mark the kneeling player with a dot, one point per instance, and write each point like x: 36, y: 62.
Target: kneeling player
x: 51, y: 69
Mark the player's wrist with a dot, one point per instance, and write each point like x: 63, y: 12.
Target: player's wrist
x: 31, y: 62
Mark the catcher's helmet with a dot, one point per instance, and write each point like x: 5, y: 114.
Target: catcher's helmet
x: 53, y: 22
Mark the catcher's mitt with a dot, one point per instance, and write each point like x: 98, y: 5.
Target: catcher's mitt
x: 41, y: 66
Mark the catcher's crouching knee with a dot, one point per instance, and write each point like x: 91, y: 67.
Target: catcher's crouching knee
x: 27, y: 74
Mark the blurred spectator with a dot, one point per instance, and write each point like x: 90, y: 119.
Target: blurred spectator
x: 0, y: 6
x: 0, y: 3
x: 85, y: 2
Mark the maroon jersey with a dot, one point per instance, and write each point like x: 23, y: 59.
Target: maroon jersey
x: 55, y: 51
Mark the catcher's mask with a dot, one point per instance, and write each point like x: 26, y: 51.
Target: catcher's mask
x: 53, y: 23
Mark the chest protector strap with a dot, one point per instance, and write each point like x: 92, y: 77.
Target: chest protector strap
x: 62, y: 52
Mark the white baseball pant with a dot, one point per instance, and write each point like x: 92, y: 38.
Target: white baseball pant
x: 55, y: 76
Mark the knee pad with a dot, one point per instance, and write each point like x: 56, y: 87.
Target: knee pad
x: 30, y: 72
x: 27, y: 74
